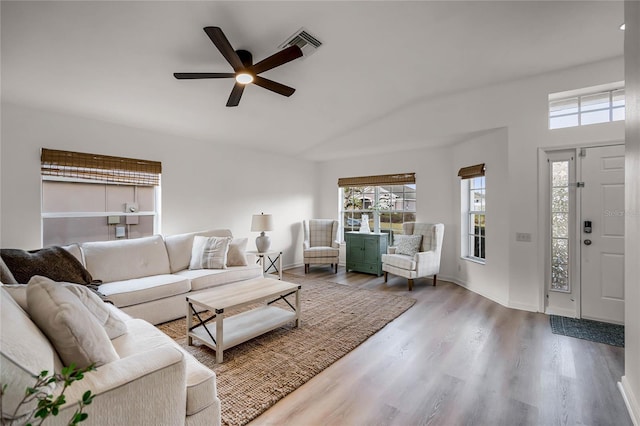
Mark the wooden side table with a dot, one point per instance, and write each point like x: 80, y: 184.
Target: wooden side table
x: 271, y: 262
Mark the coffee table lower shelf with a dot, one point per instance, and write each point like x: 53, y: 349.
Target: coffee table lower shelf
x: 242, y: 327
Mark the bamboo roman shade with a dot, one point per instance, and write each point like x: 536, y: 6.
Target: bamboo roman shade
x: 396, y: 179
x: 103, y: 168
x: 471, y: 171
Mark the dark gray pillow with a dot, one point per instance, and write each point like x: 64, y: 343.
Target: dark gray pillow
x: 52, y: 262
x: 6, y: 277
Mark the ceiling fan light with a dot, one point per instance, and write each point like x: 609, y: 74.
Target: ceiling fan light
x: 244, y: 78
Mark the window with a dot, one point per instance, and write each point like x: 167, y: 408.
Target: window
x: 473, y: 206
x: 560, y: 210
x: 390, y: 199
x: 600, y: 104
x: 88, y: 197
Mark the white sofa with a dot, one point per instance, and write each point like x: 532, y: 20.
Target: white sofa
x: 149, y: 277
x: 154, y: 381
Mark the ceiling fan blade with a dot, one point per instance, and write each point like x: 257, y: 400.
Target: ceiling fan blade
x: 280, y: 89
x: 192, y: 75
x: 236, y: 94
x: 220, y: 40
x: 277, y: 59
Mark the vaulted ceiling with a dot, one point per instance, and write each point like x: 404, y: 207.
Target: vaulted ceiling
x: 115, y: 60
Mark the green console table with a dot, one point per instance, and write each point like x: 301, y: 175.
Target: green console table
x: 364, y: 251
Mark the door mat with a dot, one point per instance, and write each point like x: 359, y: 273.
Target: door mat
x: 596, y: 331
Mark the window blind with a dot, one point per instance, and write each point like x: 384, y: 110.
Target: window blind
x: 471, y: 171
x: 395, y: 179
x: 103, y: 168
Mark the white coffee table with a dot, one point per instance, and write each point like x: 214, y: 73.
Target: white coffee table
x: 233, y: 330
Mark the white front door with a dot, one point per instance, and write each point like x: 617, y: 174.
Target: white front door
x: 601, y: 251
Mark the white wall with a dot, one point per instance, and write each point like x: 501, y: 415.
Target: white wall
x: 205, y: 184
x: 631, y: 379
x: 490, y: 279
x: 519, y: 106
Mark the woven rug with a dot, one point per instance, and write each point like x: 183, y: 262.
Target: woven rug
x: 256, y: 374
x: 596, y: 331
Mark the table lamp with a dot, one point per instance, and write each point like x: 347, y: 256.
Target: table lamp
x: 260, y: 223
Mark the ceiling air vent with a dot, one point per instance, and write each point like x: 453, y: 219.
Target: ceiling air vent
x: 305, y: 41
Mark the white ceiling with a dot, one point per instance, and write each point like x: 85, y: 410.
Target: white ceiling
x: 114, y: 60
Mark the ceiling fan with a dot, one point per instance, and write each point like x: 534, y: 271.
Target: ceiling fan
x: 245, y: 71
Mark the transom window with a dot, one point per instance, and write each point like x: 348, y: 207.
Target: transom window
x: 587, y: 106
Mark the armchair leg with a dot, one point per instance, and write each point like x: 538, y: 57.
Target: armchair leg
x: 434, y: 280
x: 410, y: 284
x: 335, y: 268
x: 306, y: 268
x: 385, y: 276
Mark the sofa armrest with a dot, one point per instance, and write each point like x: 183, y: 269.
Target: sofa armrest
x: 146, y: 388
x: 391, y: 250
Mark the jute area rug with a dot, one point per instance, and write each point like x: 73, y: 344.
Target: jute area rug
x: 256, y: 374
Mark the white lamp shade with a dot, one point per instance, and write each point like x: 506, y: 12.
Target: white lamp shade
x: 261, y: 222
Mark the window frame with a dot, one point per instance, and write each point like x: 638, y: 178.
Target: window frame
x: 375, y: 213
x: 578, y: 96
x: 467, y: 223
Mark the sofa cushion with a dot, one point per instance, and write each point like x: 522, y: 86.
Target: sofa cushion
x: 179, y: 246
x: 120, y: 260
x: 25, y: 352
x: 74, y: 332
x: 112, y: 324
x: 236, y: 255
x: 314, y: 252
x: 209, y: 252
x: 400, y: 261
x: 205, y: 278
x: 201, y: 381
x: 107, y: 317
x: 146, y: 289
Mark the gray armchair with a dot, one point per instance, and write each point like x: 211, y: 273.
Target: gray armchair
x: 321, y: 245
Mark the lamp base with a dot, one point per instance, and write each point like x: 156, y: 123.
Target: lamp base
x: 263, y: 243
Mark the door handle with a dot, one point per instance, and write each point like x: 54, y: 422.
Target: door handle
x: 587, y: 242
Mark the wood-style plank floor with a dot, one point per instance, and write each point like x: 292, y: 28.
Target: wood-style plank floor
x: 456, y: 358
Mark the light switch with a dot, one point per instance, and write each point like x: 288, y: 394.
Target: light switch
x: 523, y: 237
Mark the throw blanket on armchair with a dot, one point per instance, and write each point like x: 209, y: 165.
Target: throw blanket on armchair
x: 52, y: 262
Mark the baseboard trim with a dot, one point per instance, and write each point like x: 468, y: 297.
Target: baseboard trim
x: 570, y: 313
x: 633, y: 406
x: 476, y: 291
x: 523, y: 307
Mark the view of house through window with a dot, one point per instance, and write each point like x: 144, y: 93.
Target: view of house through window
x: 88, y: 197
x: 391, y: 204
x: 473, y: 205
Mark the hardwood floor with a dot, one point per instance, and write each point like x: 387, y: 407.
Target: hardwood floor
x: 456, y: 358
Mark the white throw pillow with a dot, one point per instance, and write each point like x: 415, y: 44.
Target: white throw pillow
x: 407, y: 244
x: 113, y: 325
x: 209, y: 252
x: 72, y: 330
x: 236, y: 255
